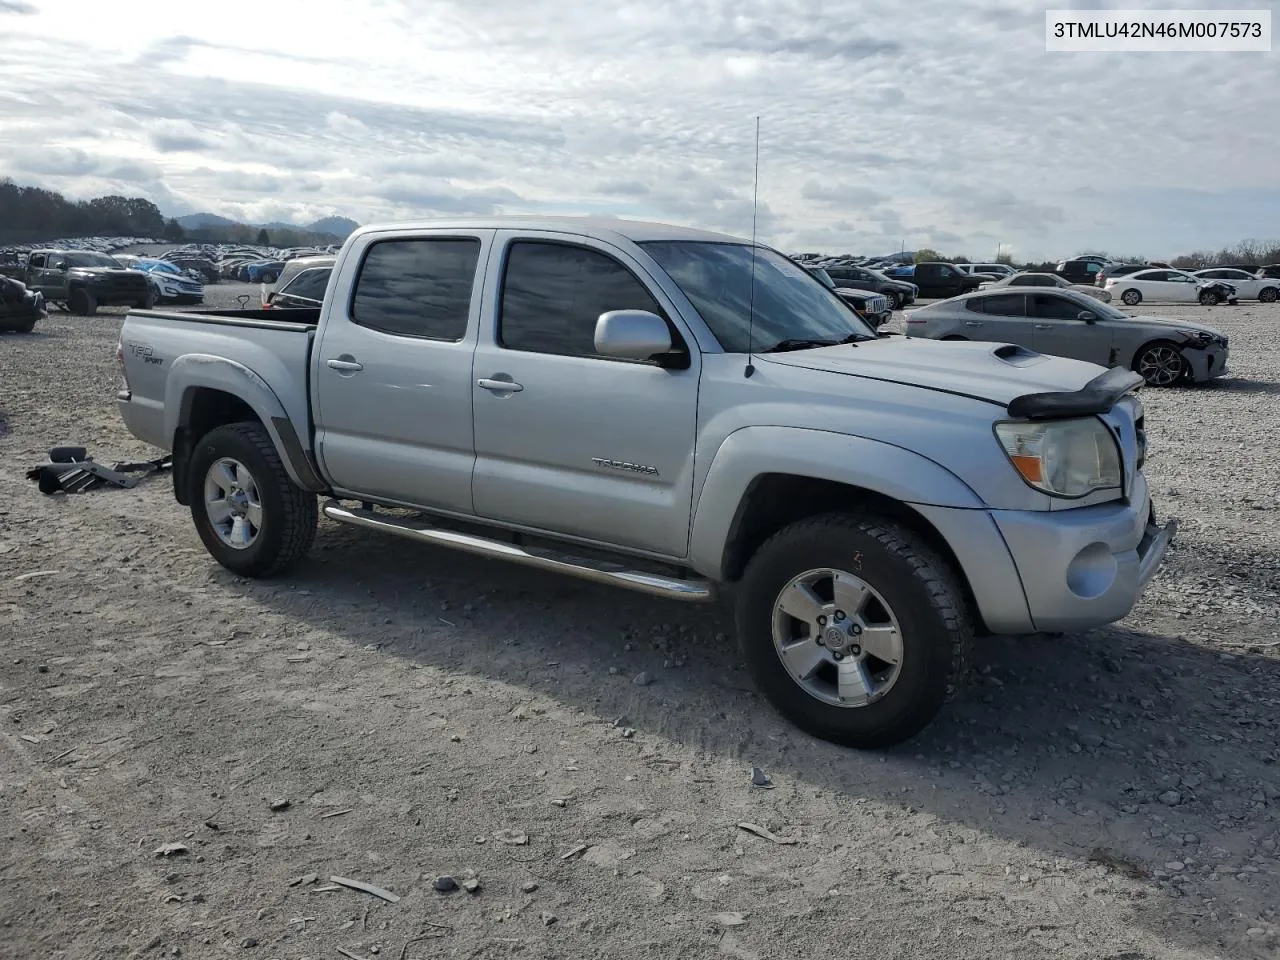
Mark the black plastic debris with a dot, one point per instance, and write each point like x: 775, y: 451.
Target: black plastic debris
x: 72, y: 470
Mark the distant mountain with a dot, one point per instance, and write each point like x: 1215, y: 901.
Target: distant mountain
x: 337, y: 227
x: 203, y: 221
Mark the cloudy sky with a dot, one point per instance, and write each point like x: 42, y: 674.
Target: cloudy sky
x: 884, y: 123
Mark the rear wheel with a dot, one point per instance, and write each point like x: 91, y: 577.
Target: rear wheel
x: 251, y: 517
x: 1132, y: 297
x: 894, y: 300
x: 853, y: 628
x: 1160, y: 364
x: 268, y: 277
x: 954, y: 336
x: 1268, y: 294
x: 1209, y: 298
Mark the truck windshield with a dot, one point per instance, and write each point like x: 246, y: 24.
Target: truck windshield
x: 86, y: 259
x: 787, y: 303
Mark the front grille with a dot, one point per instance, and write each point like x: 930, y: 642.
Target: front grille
x: 877, y: 305
x: 1139, y: 427
x: 122, y: 284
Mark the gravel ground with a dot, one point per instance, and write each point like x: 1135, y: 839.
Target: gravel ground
x: 586, y: 754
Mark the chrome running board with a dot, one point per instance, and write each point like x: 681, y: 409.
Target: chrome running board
x: 614, y: 574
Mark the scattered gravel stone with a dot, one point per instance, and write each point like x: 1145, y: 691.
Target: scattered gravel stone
x: 643, y: 679
x: 528, y: 886
x: 445, y: 884
x: 548, y: 918
x: 1171, y: 798
x: 281, y: 804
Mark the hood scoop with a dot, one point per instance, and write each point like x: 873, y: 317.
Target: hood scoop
x: 1016, y: 356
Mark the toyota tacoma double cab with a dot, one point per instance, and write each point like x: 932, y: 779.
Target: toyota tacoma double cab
x: 673, y: 411
x: 84, y: 280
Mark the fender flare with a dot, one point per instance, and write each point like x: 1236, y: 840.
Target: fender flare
x: 752, y: 452
x: 194, y: 371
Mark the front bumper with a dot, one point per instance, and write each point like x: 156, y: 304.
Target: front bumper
x: 1206, y: 363
x: 1058, y: 570
x: 1086, y: 567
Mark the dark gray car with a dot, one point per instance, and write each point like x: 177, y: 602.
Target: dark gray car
x: 1065, y: 323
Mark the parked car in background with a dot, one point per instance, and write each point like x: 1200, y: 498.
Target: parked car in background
x: 170, y: 282
x: 84, y: 280
x: 1048, y: 280
x: 12, y: 264
x: 206, y: 268
x: 20, y: 308
x: 942, y: 280
x: 263, y: 271
x: 1064, y: 323
x: 1174, y: 286
x: 996, y: 271
x: 1118, y: 270
x: 1080, y: 270
x: 899, y: 293
x: 1270, y: 272
x: 871, y: 307
x: 1249, y: 286
x: 538, y: 390
x: 304, y: 288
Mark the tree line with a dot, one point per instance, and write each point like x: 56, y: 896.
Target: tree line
x: 30, y: 214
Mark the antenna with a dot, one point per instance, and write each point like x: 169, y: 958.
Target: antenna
x: 751, y: 308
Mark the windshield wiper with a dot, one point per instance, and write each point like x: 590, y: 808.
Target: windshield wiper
x: 801, y: 343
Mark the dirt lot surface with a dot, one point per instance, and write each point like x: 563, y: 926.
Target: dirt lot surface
x: 586, y: 754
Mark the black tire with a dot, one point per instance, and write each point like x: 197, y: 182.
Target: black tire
x: 954, y: 336
x: 919, y: 587
x: 894, y: 300
x: 1158, y: 374
x: 289, y: 514
x: 1209, y: 298
x: 148, y: 303
x: 82, y: 304
x: 1268, y: 295
x: 1131, y: 297
x: 269, y: 277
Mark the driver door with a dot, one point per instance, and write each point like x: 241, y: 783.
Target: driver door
x: 1059, y: 331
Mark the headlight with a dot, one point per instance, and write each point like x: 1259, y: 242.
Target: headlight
x: 1063, y: 458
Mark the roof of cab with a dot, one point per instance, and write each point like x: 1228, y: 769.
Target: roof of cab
x: 636, y: 231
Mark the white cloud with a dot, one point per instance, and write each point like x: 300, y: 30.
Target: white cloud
x: 948, y: 127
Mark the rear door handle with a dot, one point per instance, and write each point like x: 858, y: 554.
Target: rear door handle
x: 1044, y: 326
x: 499, y: 386
x: 973, y: 323
x: 344, y: 364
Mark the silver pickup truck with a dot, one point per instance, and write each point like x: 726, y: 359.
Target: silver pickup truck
x: 672, y: 411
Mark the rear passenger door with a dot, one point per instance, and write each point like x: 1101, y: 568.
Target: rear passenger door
x: 392, y: 372
x: 580, y: 445
x: 998, y: 318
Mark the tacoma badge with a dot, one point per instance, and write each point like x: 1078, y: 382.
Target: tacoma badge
x: 624, y: 465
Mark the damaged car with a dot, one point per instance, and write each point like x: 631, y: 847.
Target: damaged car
x: 1063, y: 323
x: 20, y: 307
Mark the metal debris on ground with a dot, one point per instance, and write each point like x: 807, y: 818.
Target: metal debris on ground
x: 171, y: 850
x: 760, y: 831
x: 335, y: 813
x: 281, y: 804
x: 72, y: 470
x: 366, y: 888
x: 761, y: 779
x: 576, y: 851
x: 514, y: 838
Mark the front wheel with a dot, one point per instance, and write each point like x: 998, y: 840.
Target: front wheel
x: 1160, y: 364
x: 1132, y: 297
x: 1268, y: 295
x: 1209, y: 298
x: 894, y: 300
x: 82, y: 304
x: 252, y: 518
x: 853, y: 628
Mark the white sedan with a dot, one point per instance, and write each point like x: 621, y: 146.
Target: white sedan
x: 1248, y: 285
x: 1176, y: 286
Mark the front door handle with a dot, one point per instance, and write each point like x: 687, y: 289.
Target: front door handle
x: 498, y: 385
x: 973, y: 323
x: 345, y: 364
x: 1044, y: 326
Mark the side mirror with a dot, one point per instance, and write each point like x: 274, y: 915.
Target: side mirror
x: 631, y: 335
x: 60, y: 265
x: 1088, y: 316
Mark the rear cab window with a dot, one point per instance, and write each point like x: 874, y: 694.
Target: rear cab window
x: 419, y: 287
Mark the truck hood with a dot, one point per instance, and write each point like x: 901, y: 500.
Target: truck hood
x: 103, y: 271
x: 993, y: 372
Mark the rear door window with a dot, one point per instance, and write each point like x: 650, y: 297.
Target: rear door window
x: 1003, y: 305
x: 417, y: 288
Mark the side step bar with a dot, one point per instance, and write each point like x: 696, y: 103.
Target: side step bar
x: 650, y: 583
